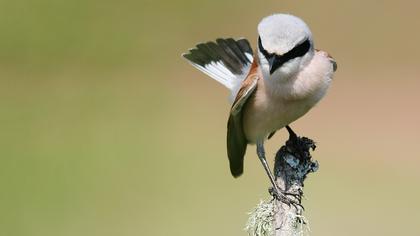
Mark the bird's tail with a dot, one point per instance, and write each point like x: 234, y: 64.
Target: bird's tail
x: 226, y: 60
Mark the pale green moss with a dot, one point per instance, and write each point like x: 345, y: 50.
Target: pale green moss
x: 261, y: 219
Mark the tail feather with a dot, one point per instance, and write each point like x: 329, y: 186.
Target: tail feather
x: 226, y: 60
x: 240, y: 50
x: 233, y: 58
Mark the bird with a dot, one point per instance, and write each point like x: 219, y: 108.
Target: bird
x: 270, y: 87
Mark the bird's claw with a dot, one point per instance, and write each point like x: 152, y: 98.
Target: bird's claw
x: 273, y: 192
x: 282, y: 196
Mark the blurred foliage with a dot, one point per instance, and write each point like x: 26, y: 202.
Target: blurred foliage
x: 105, y: 130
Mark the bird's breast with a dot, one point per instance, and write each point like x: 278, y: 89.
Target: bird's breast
x: 275, y: 105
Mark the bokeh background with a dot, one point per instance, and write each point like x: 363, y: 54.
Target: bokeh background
x: 106, y: 130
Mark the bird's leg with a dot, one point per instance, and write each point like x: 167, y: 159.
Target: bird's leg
x: 279, y: 194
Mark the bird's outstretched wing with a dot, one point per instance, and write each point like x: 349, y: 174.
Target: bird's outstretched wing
x: 236, y: 140
x: 225, y: 60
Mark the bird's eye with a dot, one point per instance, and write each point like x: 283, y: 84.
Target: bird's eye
x: 298, y: 51
x: 262, y: 50
x: 276, y: 61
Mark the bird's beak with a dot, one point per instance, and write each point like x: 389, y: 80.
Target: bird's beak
x: 271, y: 63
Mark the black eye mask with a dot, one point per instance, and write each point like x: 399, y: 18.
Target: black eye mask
x: 276, y: 61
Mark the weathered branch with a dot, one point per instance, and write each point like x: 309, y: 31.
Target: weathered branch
x: 292, y: 164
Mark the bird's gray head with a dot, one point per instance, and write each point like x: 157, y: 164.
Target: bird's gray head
x: 285, y: 45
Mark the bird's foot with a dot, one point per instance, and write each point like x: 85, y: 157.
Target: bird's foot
x: 283, y: 196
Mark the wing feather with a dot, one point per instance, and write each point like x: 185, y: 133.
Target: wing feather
x: 226, y: 60
x: 236, y: 140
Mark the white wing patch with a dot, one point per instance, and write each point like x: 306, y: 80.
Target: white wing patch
x: 227, y: 61
x: 218, y: 72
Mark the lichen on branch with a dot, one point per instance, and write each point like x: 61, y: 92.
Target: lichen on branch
x: 293, y: 162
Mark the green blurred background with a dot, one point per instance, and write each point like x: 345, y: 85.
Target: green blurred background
x: 106, y: 130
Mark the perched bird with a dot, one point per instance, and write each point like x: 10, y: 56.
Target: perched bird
x: 271, y: 88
